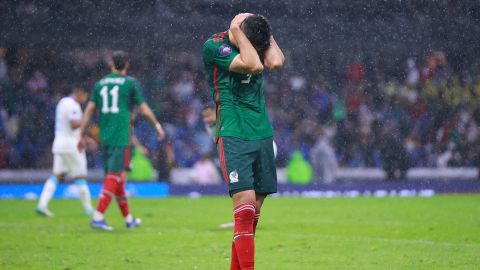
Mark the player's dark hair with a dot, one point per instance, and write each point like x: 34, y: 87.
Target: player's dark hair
x: 78, y: 87
x: 258, y: 31
x: 120, y: 59
x: 74, y: 88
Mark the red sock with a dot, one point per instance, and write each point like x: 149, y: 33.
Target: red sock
x: 255, y: 220
x: 243, y: 236
x: 234, y: 264
x: 108, y: 190
x: 122, y: 200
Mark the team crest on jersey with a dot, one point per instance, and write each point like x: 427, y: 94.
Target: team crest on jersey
x: 224, y: 50
x: 233, y: 177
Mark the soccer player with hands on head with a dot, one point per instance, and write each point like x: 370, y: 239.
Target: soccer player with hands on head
x: 115, y: 95
x: 234, y: 61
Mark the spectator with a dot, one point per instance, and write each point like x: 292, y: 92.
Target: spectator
x: 205, y: 172
x: 324, y: 161
x: 299, y: 171
x: 37, y: 82
x: 413, y: 76
x: 394, y: 156
x: 3, y: 66
x: 433, y: 101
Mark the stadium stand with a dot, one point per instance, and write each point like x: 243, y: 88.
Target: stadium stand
x: 372, y: 87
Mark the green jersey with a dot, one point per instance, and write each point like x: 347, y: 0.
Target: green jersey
x: 115, y: 95
x: 239, y: 98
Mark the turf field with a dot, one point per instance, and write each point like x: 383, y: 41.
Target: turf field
x: 441, y: 232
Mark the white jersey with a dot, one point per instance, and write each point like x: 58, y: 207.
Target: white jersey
x: 66, y: 138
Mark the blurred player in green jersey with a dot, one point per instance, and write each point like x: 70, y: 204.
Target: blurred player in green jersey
x: 115, y: 95
x: 234, y: 61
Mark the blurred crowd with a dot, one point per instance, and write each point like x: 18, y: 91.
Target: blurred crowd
x: 428, y: 116
x: 371, y: 93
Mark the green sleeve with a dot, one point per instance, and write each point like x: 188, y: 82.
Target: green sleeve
x: 137, y: 94
x: 94, y: 95
x: 219, y: 53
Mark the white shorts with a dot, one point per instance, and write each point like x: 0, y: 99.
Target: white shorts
x: 72, y: 164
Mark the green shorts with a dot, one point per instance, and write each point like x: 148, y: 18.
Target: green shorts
x: 116, y: 159
x: 248, y: 165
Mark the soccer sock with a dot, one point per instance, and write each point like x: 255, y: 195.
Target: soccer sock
x: 243, y: 236
x: 48, y: 191
x: 121, y: 196
x: 234, y: 263
x: 108, y: 191
x: 255, y: 220
x: 84, y: 193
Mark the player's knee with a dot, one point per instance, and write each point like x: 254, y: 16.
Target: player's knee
x: 247, y: 196
x: 121, y: 199
x: 244, y: 216
x: 259, y: 201
x: 107, y: 193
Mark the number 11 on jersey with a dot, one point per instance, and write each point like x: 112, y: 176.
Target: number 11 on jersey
x: 114, y: 93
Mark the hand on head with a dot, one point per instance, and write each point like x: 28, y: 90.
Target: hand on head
x: 237, y: 21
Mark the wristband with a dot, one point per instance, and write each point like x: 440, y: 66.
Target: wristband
x: 158, y: 127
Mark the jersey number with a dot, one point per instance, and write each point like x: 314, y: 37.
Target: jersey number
x: 247, y: 80
x: 114, y: 93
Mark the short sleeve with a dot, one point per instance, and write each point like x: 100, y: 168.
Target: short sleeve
x: 219, y: 53
x: 75, y: 113
x: 137, y: 93
x: 94, y: 95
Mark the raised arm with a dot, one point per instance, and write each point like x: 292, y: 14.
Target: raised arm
x: 248, y: 61
x: 148, y: 114
x: 84, y: 123
x: 274, y: 58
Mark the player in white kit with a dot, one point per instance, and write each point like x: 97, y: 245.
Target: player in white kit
x: 67, y: 159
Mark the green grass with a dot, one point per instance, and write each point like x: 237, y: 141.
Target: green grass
x: 442, y: 232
